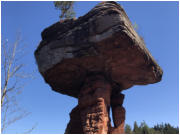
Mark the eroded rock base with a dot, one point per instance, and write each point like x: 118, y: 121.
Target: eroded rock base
x: 118, y: 114
x: 91, y: 115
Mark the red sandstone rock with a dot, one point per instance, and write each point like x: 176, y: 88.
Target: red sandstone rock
x: 74, y: 126
x: 118, y: 119
x: 118, y: 113
x: 94, y: 58
x: 91, y: 116
x: 102, y: 41
x: 94, y: 103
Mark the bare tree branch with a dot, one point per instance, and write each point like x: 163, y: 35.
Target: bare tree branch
x: 4, y: 119
x: 30, y: 130
x: 12, y: 83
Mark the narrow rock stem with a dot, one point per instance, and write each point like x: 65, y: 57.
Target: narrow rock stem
x: 94, y: 103
x: 91, y: 115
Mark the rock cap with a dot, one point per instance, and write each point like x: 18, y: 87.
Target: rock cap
x: 101, y: 42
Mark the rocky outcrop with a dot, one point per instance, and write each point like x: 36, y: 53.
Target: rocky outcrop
x: 118, y: 113
x: 74, y: 126
x: 94, y: 103
x: 93, y: 58
x: 91, y: 116
x: 102, y: 41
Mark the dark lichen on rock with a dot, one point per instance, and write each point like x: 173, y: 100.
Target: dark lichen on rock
x: 102, y: 45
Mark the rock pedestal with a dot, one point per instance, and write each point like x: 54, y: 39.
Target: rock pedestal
x: 94, y: 58
x: 94, y: 104
x: 91, y: 116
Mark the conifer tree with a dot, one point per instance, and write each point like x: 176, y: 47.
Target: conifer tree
x: 66, y: 8
x: 128, y: 129
x: 136, y: 129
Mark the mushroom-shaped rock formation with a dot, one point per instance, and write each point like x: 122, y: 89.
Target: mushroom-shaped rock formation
x: 93, y: 58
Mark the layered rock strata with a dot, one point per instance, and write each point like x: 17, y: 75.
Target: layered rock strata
x: 93, y: 58
x: 102, y: 41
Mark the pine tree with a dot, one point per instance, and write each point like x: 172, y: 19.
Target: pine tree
x: 165, y: 129
x: 128, y: 129
x: 144, y: 128
x: 66, y: 8
x: 136, y: 129
x: 157, y: 129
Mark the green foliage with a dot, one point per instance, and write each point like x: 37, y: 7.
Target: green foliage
x: 136, y: 129
x: 135, y: 26
x: 128, y: 129
x: 166, y: 129
x: 66, y: 8
x: 157, y: 129
x: 144, y: 128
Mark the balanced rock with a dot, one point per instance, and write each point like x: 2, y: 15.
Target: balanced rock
x: 102, y: 41
x: 93, y: 58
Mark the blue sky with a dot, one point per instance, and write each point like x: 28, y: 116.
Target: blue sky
x: 157, y: 24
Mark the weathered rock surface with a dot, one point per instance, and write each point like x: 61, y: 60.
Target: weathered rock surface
x: 74, y: 126
x: 118, y: 114
x: 102, y: 41
x: 94, y: 103
x: 91, y: 116
x: 94, y: 58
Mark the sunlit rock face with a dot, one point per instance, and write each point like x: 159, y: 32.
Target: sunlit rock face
x: 101, y: 43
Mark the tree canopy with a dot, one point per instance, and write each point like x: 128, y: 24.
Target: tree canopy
x: 157, y: 129
x: 66, y: 8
